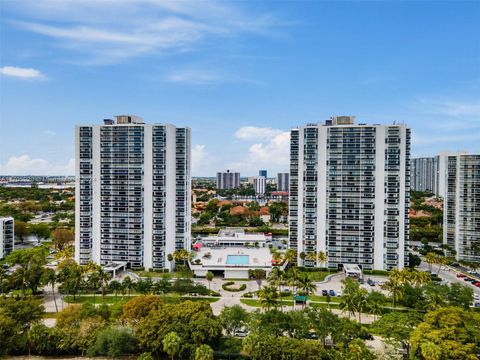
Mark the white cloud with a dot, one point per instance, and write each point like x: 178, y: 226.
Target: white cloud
x: 194, y: 77
x: 452, y: 108
x: 204, y: 163
x: 109, y: 31
x: 21, y: 73
x: 271, y: 150
x: 256, y: 133
x: 25, y: 165
x: 50, y: 133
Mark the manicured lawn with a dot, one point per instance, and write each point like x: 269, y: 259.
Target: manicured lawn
x: 110, y: 299
x: 170, y: 275
x: 317, y: 275
x: 256, y: 303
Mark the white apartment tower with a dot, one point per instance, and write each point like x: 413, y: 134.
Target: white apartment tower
x: 461, y: 216
x: 260, y: 184
x: 349, y: 193
x: 7, y: 238
x: 282, y: 181
x: 133, y: 191
x: 424, y: 174
x: 228, y: 180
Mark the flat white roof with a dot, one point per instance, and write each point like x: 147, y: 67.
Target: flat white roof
x: 352, y: 268
x: 257, y: 258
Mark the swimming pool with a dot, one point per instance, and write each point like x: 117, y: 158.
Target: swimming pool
x: 237, y: 259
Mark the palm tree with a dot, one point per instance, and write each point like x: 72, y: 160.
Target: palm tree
x: 50, y: 277
x: 311, y: 256
x: 172, y: 343
x: 306, y: 284
x: 375, y: 301
x: 277, y: 257
x: 93, y: 283
x: 290, y: 256
x: 161, y: 286
x: 430, y: 259
x: 103, y: 276
x: 292, y: 280
x: 209, y: 278
x: 128, y: 284
x: 361, y: 302
x: 322, y: 257
x: 115, y: 286
x: 349, y: 301
x: 394, y: 287
x: 441, y: 261
x: 268, y: 297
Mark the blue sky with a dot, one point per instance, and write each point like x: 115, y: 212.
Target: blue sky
x: 240, y: 74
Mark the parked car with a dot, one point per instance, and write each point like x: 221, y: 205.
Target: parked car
x: 460, y: 275
x: 477, y: 284
x: 241, y: 333
x: 361, y: 280
x: 324, y: 292
x: 466, y: 279
x: 370, y: 282
x: 332, y: 293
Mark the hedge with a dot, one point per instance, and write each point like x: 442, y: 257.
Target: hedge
x: 226, y: 286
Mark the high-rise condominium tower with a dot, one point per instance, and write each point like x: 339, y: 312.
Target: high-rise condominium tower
x: 282, y: 181
x: 7, y: 239
x: 133, y: 192
x: 424, y: 174
x: 349, y: 193
x: 461, y: 216
x: 228, y: 180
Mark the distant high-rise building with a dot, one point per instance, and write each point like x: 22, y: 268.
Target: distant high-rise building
x: 7, y: 238
x: 461, y: 216
x: 442, y: 170
x: 282, y: 181
x: 228, y: 180
x: 260, y: 184
x: 133, y: 191
x: 424, y: 174
x: 263, y: 173
x: 349, y: 193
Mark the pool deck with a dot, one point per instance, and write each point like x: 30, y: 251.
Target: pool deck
x: 257, y: 258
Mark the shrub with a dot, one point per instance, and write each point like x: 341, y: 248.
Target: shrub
x: 113, y: 342
x: 227, y: 287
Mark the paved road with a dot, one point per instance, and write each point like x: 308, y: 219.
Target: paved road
x: 449, y: 274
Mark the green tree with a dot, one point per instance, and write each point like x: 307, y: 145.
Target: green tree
x: 374, y: 303
x: 49, y: 277
x: 447, y: 333
x: 268, y: 297
x: 204, y: 352
x: 115, y: 286
x: 396, y: 328
x: 62, y: 238
x: 128, y: 284
x: 20, y: 230
x: 258, y: 275
x: 40, y: 230
x: 209, y: 278
x: 114, y: 342
x: 233, y: 318
x: 70, y: 276
x: 171, y: 344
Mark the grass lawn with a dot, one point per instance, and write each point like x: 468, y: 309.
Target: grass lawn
x: 169, y: 275
x: 111, y: 299
x: 256, y: 303
x: 317, y: 275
